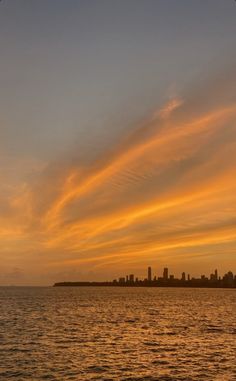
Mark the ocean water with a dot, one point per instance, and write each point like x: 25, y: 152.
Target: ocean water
x: 117, y: 334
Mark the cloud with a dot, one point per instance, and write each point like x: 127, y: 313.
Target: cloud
x: 167, y: 185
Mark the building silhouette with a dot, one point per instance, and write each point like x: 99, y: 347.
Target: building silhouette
x: 131, y: 278
x: 214, y: 281
x: 165, y: 273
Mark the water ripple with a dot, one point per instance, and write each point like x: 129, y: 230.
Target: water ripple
x: 111, y: 334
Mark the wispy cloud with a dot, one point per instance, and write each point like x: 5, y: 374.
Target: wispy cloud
x: 168, y: 186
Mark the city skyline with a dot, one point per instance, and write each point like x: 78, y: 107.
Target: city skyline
x: 214, y: 280
x: 117, y: 138
x: 166, y: 275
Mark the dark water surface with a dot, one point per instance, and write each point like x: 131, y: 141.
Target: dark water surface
x: 117, y: 334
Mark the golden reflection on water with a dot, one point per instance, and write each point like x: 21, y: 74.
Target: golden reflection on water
x: 117, y: 334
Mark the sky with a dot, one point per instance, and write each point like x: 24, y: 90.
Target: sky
x: 117, y: 138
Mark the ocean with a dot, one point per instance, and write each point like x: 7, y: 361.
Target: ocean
x: 108, y: 333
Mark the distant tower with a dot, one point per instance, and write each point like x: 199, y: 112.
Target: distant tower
x: 149, y: 274
x: 183, y: 277
x: 165, y: 273
x: 131, y: 278
x: 216, y: 275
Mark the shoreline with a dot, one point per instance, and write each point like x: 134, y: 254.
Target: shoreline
x: 111, y: 284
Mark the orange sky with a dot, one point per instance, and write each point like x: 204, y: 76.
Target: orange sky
x: 164, y: 195
x: 117, y: 139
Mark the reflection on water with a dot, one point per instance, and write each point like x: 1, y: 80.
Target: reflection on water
x: 117, y: 334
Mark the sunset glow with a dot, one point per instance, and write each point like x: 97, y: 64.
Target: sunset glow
x: 151, y: 187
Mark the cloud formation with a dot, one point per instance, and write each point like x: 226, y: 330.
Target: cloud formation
x: 165, y: 191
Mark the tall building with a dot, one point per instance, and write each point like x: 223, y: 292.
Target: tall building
x: 183, y: 277
x: 212, y: 277
x: 229, y: 279
x: 216, y: 275
x: 131, y: 278
x: 165, y: 273
x: 122, y: 280
x: 149, y: 274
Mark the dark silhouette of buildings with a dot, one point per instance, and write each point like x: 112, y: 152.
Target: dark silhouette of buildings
x: 165, y: 274
x: 214, y: 281
x: 131, y: 278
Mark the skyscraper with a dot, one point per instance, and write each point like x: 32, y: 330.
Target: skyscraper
x: 165, y: 273
x: 149, y: 274
x: 131, y: 278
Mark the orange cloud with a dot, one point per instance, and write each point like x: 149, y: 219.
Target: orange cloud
x: 169, y: 186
